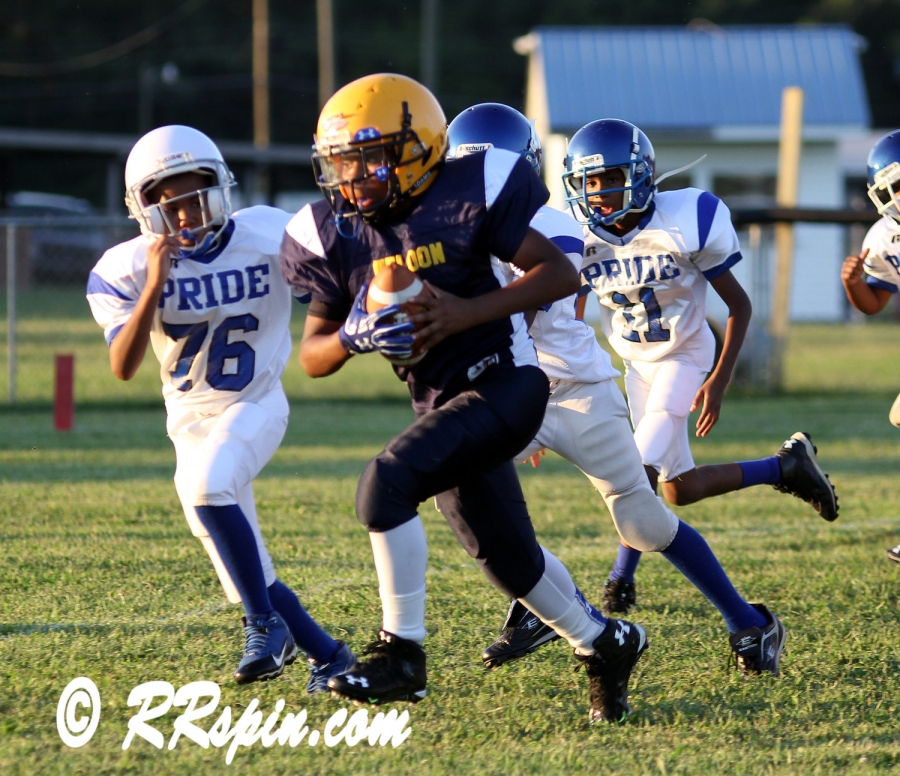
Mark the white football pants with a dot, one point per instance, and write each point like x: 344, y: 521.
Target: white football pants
x: 218, y: 457
x: 587, y: 424
x: 660, y: 394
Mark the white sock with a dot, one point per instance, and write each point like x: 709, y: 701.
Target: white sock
x: 556, y: 600
x: 401, y: 557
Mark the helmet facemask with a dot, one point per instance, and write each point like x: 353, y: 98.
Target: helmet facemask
x: 638, y: 176
x: 215, y: 199
x: 346, y: 178
x: 395, y: 133
x: 883, y: 193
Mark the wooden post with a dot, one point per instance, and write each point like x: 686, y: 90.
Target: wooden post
x: 63, y: 395
x: 428, y: 44
x: 789, y: 146
x: 261, y: 132
x: 11, y: 310
x: 325, y: 41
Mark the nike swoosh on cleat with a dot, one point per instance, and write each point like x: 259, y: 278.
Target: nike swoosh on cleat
x: 279, y: 661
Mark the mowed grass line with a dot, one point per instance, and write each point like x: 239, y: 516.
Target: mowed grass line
x: 100, y: 578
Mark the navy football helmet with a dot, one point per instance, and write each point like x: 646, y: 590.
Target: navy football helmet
x: 492, y: 125
x: 884, y: 173
x: 599, y: 146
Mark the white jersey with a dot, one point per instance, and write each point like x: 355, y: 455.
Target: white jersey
x: 882, y: 265
x: 652, y: 282
x: 221, y: 330
x: 567, y: 347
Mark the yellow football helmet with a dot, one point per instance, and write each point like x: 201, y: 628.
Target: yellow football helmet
x: 379, y: 141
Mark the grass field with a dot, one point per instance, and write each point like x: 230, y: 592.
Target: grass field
x: 100, y: 578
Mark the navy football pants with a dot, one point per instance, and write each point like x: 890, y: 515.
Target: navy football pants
x: 461, y: 452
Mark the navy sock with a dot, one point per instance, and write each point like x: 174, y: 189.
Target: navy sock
x: 234, y: 540
x: 306, y: 631
x: 766, y: 471
x: 626, y: 563
x: 691, y: 555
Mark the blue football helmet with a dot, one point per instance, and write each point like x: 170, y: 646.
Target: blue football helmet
x: 492, y: 125
x: 884, y: 173
x: 599, y: 146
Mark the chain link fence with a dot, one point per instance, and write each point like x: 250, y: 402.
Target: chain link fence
x: 44, y: 266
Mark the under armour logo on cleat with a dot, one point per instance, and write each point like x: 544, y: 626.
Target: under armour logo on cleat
x: 621, y: 632
x: 360, y: 680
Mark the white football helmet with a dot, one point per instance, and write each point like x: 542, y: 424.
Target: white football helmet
x: 173, y: 150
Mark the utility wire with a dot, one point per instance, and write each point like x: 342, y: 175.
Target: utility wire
x: 85, y: 61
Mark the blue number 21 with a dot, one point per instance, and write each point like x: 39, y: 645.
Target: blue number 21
x: 220, y: 349
x: 655, y: 330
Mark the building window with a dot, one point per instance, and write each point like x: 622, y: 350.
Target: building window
x: 745, y: 191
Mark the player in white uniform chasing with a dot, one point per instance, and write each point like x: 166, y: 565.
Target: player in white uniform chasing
x: 649, y: 257
x: 203, y: 287
x: 873, y: 277
x: 586, y: 422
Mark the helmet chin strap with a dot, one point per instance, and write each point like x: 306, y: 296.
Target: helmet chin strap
x: 670, y: 173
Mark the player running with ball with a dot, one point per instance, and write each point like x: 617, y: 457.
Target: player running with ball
x: 203, y: 287
x: 478, y: 394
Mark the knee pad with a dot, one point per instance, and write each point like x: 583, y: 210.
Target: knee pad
x: 515, y: 577
x: 387, y: 494
x: 642, y: 520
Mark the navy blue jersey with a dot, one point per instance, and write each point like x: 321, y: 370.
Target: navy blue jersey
x: 478, y: 206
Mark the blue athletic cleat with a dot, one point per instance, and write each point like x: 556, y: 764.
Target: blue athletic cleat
x: 319, y: 673
x: 268, y: 649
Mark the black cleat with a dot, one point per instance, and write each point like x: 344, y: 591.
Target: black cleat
x: 393, y: 671
x: 268, y: 648
x: 801, y: 476
x: 522, y: 634
x: 894, y: 554
x: 617, y: 650
x: 759, y: 649
x: 619, y: 597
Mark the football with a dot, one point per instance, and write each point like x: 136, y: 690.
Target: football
x: 395, y: 284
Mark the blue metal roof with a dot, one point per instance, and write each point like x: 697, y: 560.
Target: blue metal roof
x: 685, y: 78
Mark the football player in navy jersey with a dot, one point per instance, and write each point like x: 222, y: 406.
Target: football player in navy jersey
x: 478, y: 394
x: 587, y: 423
x: 201, y: 285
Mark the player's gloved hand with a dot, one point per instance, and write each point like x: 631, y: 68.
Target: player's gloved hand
x: 364, y: 332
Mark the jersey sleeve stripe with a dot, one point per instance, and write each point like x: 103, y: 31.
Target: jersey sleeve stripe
x: 706, y: 212
x: 721, y: 269
x: 97, y: 285
x: 568, y: 244
x: 878, y: 283
x: 303, y: 298
x: 112, y: 334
